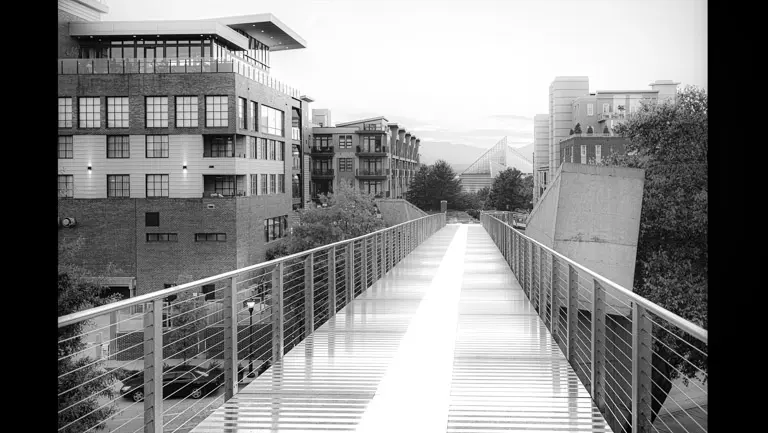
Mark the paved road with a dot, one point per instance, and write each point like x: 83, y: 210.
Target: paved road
x: 181, y: 415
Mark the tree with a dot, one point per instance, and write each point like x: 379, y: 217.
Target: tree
x: 347, y: 213
x: 669, y: 141
x: 187, y: 322
x: 82, y: 380
x: 577, y: 128
x: 508, y: 191
x: 433, y: 184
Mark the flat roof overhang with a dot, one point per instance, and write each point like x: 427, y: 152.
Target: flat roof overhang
x: 266, y: 29
x: 115, y: 29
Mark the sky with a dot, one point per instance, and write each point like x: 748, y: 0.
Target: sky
x: 467, y: 72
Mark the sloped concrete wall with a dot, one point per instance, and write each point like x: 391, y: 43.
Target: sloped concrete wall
x: 591, y: 214
x: 396, y: 211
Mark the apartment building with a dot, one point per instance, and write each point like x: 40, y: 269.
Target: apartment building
x: 180, y: 156
x: 372, y: 155
x: 595, y: 113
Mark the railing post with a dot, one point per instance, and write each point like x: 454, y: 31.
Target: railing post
x: 277, y: 313
x: 554, y: 309
x: 153, y: 368
x: 375, y: 258
x: 331, y: 282
x: 309, y: 294
x: 350, y: 271
x: 364, y: 266
x: 598, y: 344
x: 383, y: 254
x: 542, y: 299
x: 641, y: 369
x: 230, y: 340
x: 573, y: 314
x: 529, y: 267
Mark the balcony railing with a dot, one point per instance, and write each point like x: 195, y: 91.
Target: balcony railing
x: 629, y: 353
x: 318, y: 150
x: 223, y: 194
x: 317, y: 172
x: 378, y: 151
x: 289, y: 298
x: 172, y: 66
x: 594, y: 134
x: 610, y: 115
x: 364, y: 172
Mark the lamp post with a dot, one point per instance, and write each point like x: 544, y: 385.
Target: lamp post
x: 251, y: 303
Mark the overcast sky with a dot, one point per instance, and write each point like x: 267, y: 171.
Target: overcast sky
x: 468, y: 72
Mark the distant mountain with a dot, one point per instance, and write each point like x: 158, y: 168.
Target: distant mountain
x: 460, y: 156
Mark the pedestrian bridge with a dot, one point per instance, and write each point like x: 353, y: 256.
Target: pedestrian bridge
x: 454, y: 333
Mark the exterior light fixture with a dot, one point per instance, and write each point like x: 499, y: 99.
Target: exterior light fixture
x: 184, y: 167
x: 89, y: 167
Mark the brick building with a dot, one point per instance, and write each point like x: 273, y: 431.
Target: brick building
x: 373, y: 155
x: 180, y: 157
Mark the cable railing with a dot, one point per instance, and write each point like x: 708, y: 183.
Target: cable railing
x: 644, y: 366
x: 160, y: 351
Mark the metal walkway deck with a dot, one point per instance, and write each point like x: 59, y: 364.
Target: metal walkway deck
x: 446, y: 341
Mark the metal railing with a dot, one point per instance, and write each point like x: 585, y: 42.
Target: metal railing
x: 644, y: 366
x: 224, y: 330
x: 173, y: 66
x: 372, y: 172
x: 322, y: 149
x: 322, y: 172
x: 369, y: 150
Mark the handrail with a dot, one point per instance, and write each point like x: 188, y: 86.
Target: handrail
x: 700, y: 333
x: 160, y: 294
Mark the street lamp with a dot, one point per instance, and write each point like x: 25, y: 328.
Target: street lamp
x: 251, y: 303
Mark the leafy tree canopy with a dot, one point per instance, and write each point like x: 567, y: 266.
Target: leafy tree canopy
x: 510, y: 191
x: 432, y: 184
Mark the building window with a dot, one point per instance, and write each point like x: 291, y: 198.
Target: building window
x: 372, y: 187
x: 157, y: 111
x: 252, y: 149
x: 89, y: 113
x: 118, y: 185
x: 65, y: 147
x: 216, y: 111
x: 157, y: 185
x: 118, y: 146
x: 252, y: 116
x: 281, y: 183
x: 152, y: 219
x: 271, y: 121
x: 345, y: 164
x: 157, y: 146
x: 218, y: 147
x: 117, y: 112
x: 209, y: 290
x: 583, y: 154
x: 322, y: 141
x: 606, y: 108
x: 345, y: 141
x: 372, y: 143
x: 210, y: 237
x: 254, y: 184
x: 65, y: 112
x: 263, y: 184
x: 224, y: 185
x: 280, y: 150
x: 590, y: 109
x: 296, y: 153
x: 241, y: 112
x: 66, y: 186
x: 598, y: 153
x: 186, y: 112
x: 275, y: 228
x: 272, y: 150
x: 162, y: 237
x: 262, y: 148
x: 272, y: 184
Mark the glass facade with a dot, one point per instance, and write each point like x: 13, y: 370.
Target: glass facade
x: 271, y: 121
x: 241, y: 112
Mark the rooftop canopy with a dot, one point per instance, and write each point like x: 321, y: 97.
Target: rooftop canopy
x: 263, y: 27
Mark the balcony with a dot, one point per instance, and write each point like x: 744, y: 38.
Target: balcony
x: 321, y: 151
x: 321, y: 173
x: 379, y: 151
x: 367, y: 129
x: 365, y: 173
x: 173, y: 66
x: 602, y: 117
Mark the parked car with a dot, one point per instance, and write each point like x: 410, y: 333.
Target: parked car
x: 178, y: 381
